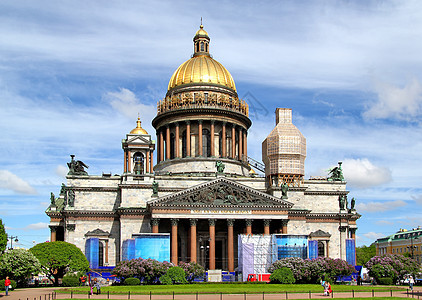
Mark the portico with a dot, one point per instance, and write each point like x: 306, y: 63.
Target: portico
x: 205, y: 230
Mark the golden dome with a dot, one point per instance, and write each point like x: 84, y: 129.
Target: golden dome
x: 138, y: 129
x: 202, y: 69
x: 201, y: 32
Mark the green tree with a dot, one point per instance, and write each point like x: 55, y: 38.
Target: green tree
x: 364, y: 254
x: 58, y: 258
x: 3, y: 237
x: 18, y: 264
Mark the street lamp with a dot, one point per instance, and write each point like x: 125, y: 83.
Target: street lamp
x: 11, y: 240
x: 411, y: 244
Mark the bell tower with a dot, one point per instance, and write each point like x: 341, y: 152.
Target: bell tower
x: 138, y: 152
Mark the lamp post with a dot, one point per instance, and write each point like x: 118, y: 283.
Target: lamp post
x: 411, y: 244
x: 11, y: 240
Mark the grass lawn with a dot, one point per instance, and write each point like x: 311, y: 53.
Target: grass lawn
x: 227, y: 288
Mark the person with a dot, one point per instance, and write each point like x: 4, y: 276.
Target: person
x: 359, y: 280
x: 323, y: 285
x: 6, y: 285
x: 91, y: 286
x: 328, y: 289
x: 411, y: 282
x: 97, y: 286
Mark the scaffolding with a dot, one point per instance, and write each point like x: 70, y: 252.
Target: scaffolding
x: 256, y: 254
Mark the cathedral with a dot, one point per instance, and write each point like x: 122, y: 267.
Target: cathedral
x: 205, y: 199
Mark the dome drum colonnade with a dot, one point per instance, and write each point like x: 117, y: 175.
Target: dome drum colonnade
x: 201, y: 115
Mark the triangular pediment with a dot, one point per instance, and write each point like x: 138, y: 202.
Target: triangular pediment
x: 221, y: 192
x: 137, y: 139
x: 97, y: 232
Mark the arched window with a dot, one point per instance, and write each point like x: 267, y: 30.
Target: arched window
x: 206, y: 47
x: 138, y: 163
x: 206, y: 143
x: 197, y: 47
x: 202, y: 46
x: 321, y: 249
x: 184, y: 154
x: 172, y: 145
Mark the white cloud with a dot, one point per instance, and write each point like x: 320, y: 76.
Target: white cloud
x: 361, y: 173
x: 373, y: 235
x: 126, y: 102
x: 36, y: 226
x: 395, y: 102
x: 10, y: 181
x: 380, y: 206
x: 61, y: 171
x: 384, y: 222
x: 418, y: 199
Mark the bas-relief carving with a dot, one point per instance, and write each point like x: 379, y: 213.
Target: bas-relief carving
x: 220, y: 194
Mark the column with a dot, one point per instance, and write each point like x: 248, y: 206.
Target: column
x: 352, y: 233
x: 284, y: 226
x: 158, y: 146
x: 233, y: 141
x: 188, y: 138
x: 53, y: 233
x: 343, y: 236
x: 223, y: 138
x: 155, y: 223
x: 245, y: 143
x: 267, y: 227
x: 212, y: 139
x: 129, y: 162
x: 168, y: 142
x: 193, y: 223
x: 200, y: 137
x: 174, y: 254
x: 177, y: 152
x: 249, y: 226
x: 240, y: 143
x: 147, y: 163
x: 161, y: 146
x: 125, y: 161
x: 106, y: 252
x: 151, y: 162
x: 230, y: 245
x: 212, y: 244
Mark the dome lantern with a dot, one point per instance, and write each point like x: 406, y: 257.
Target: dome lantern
x: 138, y: 129
x: 201, y: 42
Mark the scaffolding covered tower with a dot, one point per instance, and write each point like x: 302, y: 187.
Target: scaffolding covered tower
x: 284, y: 151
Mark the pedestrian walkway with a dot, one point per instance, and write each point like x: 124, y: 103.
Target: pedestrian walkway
x: 46, y: 294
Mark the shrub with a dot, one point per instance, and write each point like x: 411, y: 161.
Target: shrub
x: 12, y: 282
x: 311, y: 270
x: 386, y: 281
x: 70, y: 280
x: 392, y: 265
x: 132, y: 281
x: 147, y: 270
x: 192, y: 270
x: 283, y: 275
x: 174, y: 275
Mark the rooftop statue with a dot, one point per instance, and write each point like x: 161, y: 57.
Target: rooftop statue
x: 352, y: 204
x: 155, y: 188
x: 76, y: 167
x: 284, y: 189
x: 220, y: 166
x: 342, y: 201
x: 336, y: 173
x: 52, y: 199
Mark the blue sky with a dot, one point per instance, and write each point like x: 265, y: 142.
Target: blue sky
x: 75, y: 74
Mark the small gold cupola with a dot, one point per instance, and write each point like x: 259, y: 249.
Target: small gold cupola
x: 201, y: 42
x: 138, y: 129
